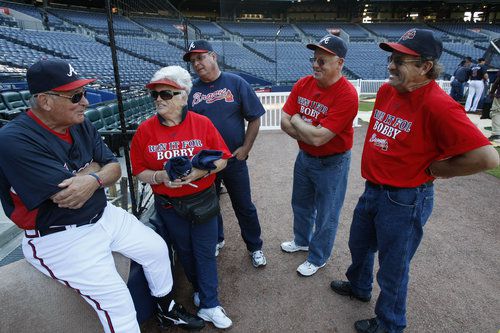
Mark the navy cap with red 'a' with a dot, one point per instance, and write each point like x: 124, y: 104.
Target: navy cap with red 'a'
x: 198, y: 46
x: 416, y: 42
x: 53, y: 74
x: 331, y: 44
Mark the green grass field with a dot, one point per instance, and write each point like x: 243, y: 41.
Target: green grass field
x: 365, y: 106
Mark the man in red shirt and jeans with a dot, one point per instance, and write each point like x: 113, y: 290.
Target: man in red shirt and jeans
x: 319, y: 114
x: 417, y: 133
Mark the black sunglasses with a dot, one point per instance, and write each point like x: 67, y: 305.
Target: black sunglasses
x: 164, y: 94
x: 76, y: 98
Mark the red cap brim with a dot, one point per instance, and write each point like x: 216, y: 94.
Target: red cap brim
x: 167, y: 82
x: 314, y: 47
x: 74, y: 85
x: 389, y: 47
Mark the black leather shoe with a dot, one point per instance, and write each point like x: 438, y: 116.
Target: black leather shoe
x: 368, y: 326
x: 178, y: 316
x: 344, y: 288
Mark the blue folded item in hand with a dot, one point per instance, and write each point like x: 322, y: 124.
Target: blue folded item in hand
x: 178, y: 167
x: 205, y: 159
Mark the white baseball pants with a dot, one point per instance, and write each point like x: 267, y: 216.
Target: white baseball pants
x: 81, y: 259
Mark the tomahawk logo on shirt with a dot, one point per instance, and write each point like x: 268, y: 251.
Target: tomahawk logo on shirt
x: 165, y: 151
x: 389, y: 126
x: 218, y: 95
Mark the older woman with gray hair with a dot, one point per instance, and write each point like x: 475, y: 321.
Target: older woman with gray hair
x: 186, y: 204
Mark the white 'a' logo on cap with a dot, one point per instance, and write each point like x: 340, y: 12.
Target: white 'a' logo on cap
x: 191, y: 46
x: 71, y: 71
x: 324, y: 40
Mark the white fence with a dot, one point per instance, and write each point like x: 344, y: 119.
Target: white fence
x: 273, y: 102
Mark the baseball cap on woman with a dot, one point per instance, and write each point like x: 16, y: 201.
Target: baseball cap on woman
x: 53, y: 74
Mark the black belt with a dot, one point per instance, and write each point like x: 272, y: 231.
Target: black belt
x: 35, y: 233
x: 389, y: 187
x: 321, y: 157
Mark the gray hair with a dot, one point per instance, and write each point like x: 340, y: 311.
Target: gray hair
x: 436, y: 69
x: 177, y: 74
x: 33, y: 102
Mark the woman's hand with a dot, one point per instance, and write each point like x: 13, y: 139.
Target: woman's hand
x: 195, y: 174
x: 162, y: 177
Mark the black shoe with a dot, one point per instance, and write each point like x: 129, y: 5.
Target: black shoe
x: 494, y: 137
x: 344, y: 288
x: 368, y: 326
x: 180, y: 317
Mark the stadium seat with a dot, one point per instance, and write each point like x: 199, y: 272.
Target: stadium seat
x: 95, y: 118
x: 26, y: 95
x: 13, y: 101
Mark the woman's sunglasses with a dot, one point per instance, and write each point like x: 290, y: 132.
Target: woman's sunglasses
x: 164, y: 94
x: 76, y: 98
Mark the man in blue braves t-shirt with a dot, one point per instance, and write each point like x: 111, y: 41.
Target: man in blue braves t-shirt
x: 54, y: 166
x: 228, y: 101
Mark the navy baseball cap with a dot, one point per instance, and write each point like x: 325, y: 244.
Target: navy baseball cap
x: 331, y: 44
x: 416, y: 42
x: 53, y: 74
x: 198, y: 46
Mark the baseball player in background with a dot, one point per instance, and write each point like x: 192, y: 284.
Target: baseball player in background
x: 319, y: 113
x: 416, y: 133
x: 53, y: 170
x: 228, y: 100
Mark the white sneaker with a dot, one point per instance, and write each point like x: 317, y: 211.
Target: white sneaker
x: 196, y: 299
x: 291, y: 247
x: 216, y: 316
x: 308, y: 269
x: 258, y: 258
x: 218, y: 247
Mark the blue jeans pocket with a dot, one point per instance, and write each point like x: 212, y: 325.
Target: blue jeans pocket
x: 403, y: 197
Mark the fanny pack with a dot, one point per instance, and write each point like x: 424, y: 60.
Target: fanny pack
x: 198, y: 208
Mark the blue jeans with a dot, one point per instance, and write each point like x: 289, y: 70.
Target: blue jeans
x: 319, y: 186
x: 194, y: 244
x: 237, y: 183
x: 390, y: 221
x: 457, y: 90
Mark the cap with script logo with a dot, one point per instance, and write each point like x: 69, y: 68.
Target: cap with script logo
x: 198, y: 46
x: 53, y: 74
x: 416, y: 42
x: 331, y: 44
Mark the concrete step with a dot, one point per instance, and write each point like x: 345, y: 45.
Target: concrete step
x: 8, y: 231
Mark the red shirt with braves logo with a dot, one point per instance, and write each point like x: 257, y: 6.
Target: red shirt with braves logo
x: 154, y: 144
x: 333, y: 108
x: 408, y: 131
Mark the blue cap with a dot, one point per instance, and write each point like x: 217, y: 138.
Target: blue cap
x: 331, y: 44
x: 53, y: 74
x: 416, y: 42
x: 198, y: 46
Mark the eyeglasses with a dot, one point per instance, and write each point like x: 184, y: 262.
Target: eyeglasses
x: 199, y: 58
x: 320, y: 61
x: 76, y: 98
x: 399, y: 61
x: 164, y: 94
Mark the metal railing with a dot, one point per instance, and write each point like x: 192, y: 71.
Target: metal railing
x: 273, y: 102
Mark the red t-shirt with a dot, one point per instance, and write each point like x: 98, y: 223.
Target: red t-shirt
x: 333, y: 108
x: 408, y: 131
x: 154, y: 144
